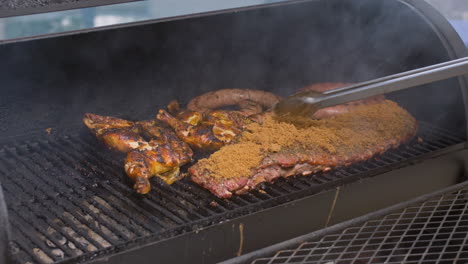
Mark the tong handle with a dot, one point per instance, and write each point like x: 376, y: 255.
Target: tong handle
x: 307, y: 103
x: 396, y: 82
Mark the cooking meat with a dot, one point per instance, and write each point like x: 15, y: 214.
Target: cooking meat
x: 117, y: 134
x: 250, y: 102
x: 338, y: 109
x: 205, y: 131
x: 267, y: 151
x: 161, y: 156
x: 190, y: 117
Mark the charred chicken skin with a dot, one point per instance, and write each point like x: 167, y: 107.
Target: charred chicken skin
x: 205, y: 131
x: 118, y: 134
x: 161, y: 156
x: 205, y: 127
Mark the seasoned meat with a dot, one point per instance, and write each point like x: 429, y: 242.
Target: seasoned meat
x: 271, y: 150
x: 161, y: 155
x: 207, y: 131
x: 117, y: 134
x: 250, y: 102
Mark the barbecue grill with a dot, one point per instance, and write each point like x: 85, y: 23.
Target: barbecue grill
x: 66, y: 198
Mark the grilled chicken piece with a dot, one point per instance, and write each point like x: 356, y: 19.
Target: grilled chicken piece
x: 187, y: 116
x: 161, y: 156
x: 205, y: 132
x: 198, y: 135
x: 117, y: 134
x: 226, y: 124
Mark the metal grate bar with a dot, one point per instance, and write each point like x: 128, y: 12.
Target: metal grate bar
x: 434, y: 231
x: 81, y: 195
x: 51, y: 187
x: 162, y: 212
x: 27, y: 234
x: 166, y: 212
x: 17, y: 187
x: 192, y: 190
x: 463, y: 252
x: 432, y: 243
x: 111, y: 215
x: 420, y: 231
x: 451, y: 235
x: 49, y: 195
x: 366, y: 242
x: 41, y: 223
x: 21, y: 253
x: 109, y: 193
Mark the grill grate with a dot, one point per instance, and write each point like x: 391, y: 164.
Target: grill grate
x: 68, y: 199
x: 435, y: 231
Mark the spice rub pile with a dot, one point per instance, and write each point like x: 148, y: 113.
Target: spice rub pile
x: 275, y: 149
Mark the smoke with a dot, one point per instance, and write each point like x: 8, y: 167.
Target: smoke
x: 131, y: 72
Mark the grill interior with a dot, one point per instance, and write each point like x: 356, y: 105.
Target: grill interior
x: 68, y: 198
x: 435, y: 231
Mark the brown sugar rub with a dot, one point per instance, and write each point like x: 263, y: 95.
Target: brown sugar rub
x: 273, y: 149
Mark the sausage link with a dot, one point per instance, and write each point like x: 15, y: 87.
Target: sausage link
x: 243, y: 98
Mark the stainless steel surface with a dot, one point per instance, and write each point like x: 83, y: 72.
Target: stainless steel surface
x: 307, y: 103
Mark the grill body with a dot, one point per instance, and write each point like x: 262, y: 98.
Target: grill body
x: 68, y: 198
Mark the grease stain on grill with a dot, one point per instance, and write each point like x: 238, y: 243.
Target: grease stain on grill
x: 69, y: 197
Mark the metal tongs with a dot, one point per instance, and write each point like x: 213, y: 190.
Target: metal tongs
x: 305, y: 104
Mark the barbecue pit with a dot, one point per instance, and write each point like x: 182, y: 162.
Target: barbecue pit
x: 68, y: 199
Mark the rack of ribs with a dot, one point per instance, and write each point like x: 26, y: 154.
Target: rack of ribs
x: 267, y: 151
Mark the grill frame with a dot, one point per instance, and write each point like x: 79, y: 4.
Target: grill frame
x: 275, y: 214
x: 275, y: 253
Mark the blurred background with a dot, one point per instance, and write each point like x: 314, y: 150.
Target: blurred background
x: 456, y: 12
x: 102, y: 14
x: 453, y: 9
